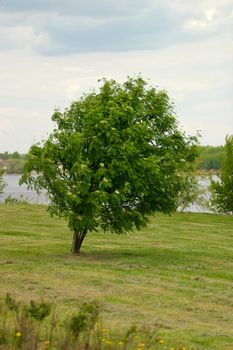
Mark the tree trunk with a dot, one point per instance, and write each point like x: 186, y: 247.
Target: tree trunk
x: 78, y: 238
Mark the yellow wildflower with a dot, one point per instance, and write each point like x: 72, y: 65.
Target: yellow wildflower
x: 18, y: 334
x: 46, y: 344
x: 161, y: 341
x: 105, y: 330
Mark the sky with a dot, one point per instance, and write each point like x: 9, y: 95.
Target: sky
x: 52, y: 51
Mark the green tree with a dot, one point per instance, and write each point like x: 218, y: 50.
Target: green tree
x: 222, y: 190
x: 114, y: 157
x: 2, y: 182
x: 210, y: 157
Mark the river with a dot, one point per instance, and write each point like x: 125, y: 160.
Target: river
x: 21, y: 192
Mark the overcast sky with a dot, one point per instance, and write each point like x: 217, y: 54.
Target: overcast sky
x: 51, y: 51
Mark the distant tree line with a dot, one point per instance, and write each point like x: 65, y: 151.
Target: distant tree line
x: 12, y: 163
x: 14, y: 155
x: 210, y: 157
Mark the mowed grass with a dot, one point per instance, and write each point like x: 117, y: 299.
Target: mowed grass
x: 175, y: 275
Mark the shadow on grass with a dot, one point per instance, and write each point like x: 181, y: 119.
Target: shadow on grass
x: 154, y: 257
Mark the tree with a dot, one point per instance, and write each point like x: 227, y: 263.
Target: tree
x: 114, y: 157
x: 2, y: 182
x: 190, y: 193
x: 222, y: 190
x: 210, y: 157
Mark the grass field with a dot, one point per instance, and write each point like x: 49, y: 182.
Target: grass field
x: 177, y: 274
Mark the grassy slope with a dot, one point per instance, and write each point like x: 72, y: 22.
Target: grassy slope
x: 177, y: 273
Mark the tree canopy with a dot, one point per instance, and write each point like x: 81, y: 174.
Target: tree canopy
x: 114, y: 157
x: 222, y: 191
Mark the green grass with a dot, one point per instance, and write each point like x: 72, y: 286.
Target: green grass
x: 176, y: 274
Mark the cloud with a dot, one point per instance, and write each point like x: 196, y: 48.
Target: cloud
x: 22, y: 36
x: 65, y: 27
x: 102, y: 8
x: 192, y: 73
x: 53, y: 50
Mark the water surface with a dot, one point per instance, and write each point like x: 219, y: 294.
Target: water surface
x: 21, y: 192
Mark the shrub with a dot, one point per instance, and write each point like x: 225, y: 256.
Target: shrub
x: 2, y: 182
x: 222, y: 190
x: 35, y: 327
